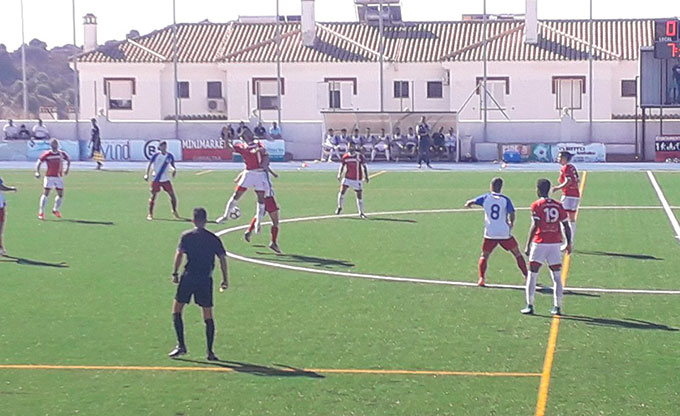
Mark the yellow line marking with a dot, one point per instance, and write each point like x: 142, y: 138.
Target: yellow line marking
x: 544, y: 387
x: 204, y: 172
x: 375, y: 175
x: 280, y: 369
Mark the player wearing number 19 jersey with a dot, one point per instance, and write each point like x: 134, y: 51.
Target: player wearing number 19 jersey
x: 543, y: 245
x: 499, y: 218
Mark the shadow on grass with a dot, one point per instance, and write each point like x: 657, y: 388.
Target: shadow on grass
x: 173, y: 219
x: 623, y: 255
x: 410, y: 221
x: 309, y: 260
x: 627, y: 323
x: 546, y: 290
x: 84, y: 222
x: 28, y: 262
x: 258, y: 370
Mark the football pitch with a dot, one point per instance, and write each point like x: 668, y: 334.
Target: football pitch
x: 357, y: 317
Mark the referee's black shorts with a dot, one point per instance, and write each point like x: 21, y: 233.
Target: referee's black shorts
x: 201, y: 288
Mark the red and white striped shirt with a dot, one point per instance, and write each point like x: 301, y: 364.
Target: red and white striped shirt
x: 353, y: 163
x: 54, y: 162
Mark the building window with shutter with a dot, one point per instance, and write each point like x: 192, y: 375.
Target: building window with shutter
x: 336, y: 93
x: 266, y: 93
x: 401, y: 89
x: 569, y: 91
x: 214, y: 89
x: 183, y: 89
x: 628, y: 88
x: 435, y: 89
x: 498, y: 88
x: 119, y: 92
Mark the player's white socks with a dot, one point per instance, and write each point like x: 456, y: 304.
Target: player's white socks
x: 572, y: 225
x: 57, y: 202
x: 230, y: 205
x: 557, y: 287
x: 43, y: 203
x: 360, y: 205
x: 258, y: 216
x: 341, y: 200
x: 530, y: 290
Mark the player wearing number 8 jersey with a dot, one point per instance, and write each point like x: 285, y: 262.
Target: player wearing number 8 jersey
x: 499, y: 218
x: 543, y: 245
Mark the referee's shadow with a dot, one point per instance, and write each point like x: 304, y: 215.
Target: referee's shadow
x: 279, y: 370
x: 28, y: 262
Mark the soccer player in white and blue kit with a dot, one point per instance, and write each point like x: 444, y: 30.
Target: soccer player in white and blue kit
x: 499, y: 218
x: 163, y: 163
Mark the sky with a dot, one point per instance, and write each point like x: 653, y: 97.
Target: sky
x: 51, y: 20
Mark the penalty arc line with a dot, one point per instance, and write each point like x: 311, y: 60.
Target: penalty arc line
x: 375, y: 175
x: 277, y: 369
x: 204, y: 172
x: 419, y: 280
x: 666, y: 206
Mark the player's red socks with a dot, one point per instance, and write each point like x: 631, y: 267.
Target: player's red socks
x: 252, y: 224
x: 275, y: 234
x: 482, y: 266
x: 522, y: 265
x: 151, y: 205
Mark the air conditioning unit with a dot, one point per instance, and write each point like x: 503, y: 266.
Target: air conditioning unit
x: 446, y: 79
x: 216, y: 106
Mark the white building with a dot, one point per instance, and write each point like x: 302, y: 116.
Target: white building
x: 227, y: 70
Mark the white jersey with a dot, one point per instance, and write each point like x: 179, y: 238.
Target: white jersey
x: 161, y: 166
x: 496, y: 210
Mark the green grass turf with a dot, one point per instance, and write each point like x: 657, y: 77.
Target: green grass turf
x: 111, y: 305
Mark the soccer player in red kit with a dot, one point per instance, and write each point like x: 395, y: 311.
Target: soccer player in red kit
x: 353, y: 163
x: 272, y: 208
x: 569, y: 184
x: 544, y: 245
x: 55, y: 160
x: 255, y: 176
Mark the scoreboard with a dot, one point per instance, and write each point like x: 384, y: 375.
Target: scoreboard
x: 666, y: 39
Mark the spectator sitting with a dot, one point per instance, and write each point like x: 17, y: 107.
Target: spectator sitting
x: 450, y: 143
x: 381, y: 145
x: 330, y: 146
x: 356, y: 139
x: 397, y: 144
x: 241, y: 128
x: 367, y: 143
x: 439, y: 142
x: 227, y: 133
x: 10, y: 130
x: 40, y: 132
x: 343, y: 140
x: 411, y: 143
x: 260, y: 131
x: 275, y: 132
x: 24, y: 133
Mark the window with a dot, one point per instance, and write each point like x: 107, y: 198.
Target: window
x: 214, y: 89
x: 569, y: 91
x: 183, y: 89
x: 119, y: 92
x: 340, y: 91
x: 401, y: 89
x: 266, y: 93
x: 498, y: 88
x: 628, y: 88
x: 434, y: 89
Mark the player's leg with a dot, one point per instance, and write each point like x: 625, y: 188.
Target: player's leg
x: 204, y: 298
x: 152, y: 199
x: 249, y: 232
x: 167, y: 187
x: 360, y: 202
x: 177, y: 307
x: 512, y: 246
x: 572, y: 223
x: 536, y: 258
x: 43, y: 202
x: 57, y: 202
x: 488, y: 247
x: 555, y: 263
x: 274, y: 245
x: 341, y: 198
x: 231, y: 203
x: 2, y: 227
x: 259, y: 211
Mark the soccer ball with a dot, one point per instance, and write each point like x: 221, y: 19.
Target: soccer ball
x: 235, y: 213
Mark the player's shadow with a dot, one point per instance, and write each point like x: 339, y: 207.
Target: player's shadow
x: 546, y: 290
x: 84, y: 222
x: 622, y: 255
x: 309, y: 260
x: 181, y: 219
x: 28, y: 262
x: 628, y: 323
x: 406, y: 220
x: 258, y: 370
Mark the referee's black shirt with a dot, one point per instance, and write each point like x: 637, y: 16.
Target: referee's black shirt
x: 201, y: 246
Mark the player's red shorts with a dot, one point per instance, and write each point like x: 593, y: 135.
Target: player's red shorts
x: 2, y: 214
x: 270, y: 204
x: 508, y: 244
x: 166, y: 186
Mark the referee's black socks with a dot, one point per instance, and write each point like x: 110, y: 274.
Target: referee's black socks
x: 179, y: 328
x: 210, y: 333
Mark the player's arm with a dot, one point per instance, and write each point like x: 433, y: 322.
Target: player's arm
x: 224, y: 285
x: 238, y: 177
x: 270, y: 170
x: 174, y: 168
x: 562, y: 185
x: 148, y: 169
x: 532, y: 232
x: 179, y: 254
x: 37, y: 168
x: 567, y: 234
x: 340, y: 169
x: 68, y: 165
x: 511, y: 219
x: 477, y: 201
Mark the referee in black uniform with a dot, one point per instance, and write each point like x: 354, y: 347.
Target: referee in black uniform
x: 423, y: 130
x: 200, y: 246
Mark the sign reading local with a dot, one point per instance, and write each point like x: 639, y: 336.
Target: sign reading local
x: 666, y: 39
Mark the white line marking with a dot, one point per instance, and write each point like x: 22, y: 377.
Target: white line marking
x: 204, y: 172
x: 666, y: 206
x: 418, y: 280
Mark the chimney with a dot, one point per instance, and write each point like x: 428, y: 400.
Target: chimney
x: 90, y: 32
x: 308, y: 23
x: 531, y: 22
